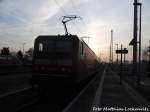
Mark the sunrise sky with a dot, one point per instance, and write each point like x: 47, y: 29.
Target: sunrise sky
x: 21, y: 21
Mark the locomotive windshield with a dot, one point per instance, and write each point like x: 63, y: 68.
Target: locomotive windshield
x: 55, y: 46
x: 54, y: 52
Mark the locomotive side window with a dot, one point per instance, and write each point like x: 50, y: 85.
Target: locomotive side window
x: 82, y: 48
x: 40, y: 47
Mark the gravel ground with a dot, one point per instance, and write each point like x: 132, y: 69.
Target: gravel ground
x: 13, y: 82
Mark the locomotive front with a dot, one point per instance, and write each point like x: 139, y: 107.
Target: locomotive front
x: 54, y: 60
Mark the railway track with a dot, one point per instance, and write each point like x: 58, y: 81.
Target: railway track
x: 6, y: 70
x: 85, y: 99
x: 57, y: 102
x: 25, y: 100
x: 27, y: 104
x: 15, y: 100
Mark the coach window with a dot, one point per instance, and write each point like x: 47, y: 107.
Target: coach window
x: 40, y: 47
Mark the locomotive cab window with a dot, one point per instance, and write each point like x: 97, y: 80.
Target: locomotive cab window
x: 40, y: 47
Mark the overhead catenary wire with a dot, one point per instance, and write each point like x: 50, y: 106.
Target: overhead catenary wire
x: 60, y: 7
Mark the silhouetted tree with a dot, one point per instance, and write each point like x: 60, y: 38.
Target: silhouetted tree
x: 30, y: 51
x: 19, y: 55
x: 5, y: 51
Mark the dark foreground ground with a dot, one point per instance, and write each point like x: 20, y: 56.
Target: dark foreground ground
x: 102, y: 93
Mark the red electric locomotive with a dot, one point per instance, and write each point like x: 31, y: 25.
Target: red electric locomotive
x: 62, y: 60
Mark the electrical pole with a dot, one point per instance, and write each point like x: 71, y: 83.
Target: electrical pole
x: 139, y: 74
x: 121, y: 67
x: 112, y: 44
x: 117, y: 53
x: 135, y: 37
x: 124, y: 56
x: 110, y: 53
x: 111, y: 48
x: 134, y: 41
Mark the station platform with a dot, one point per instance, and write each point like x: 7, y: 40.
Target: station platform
x: 109, y: 95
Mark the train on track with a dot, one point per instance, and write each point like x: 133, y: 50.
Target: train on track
x: 62, y: 60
